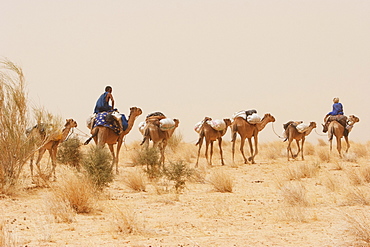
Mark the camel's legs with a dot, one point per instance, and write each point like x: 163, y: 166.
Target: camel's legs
x: 53, y: 155
x: 220, y: 147
x: 200, y: 142
x: 162, y: 148
x: 255, y: 148
x: 242, y: 142
x: 111, y: 149
x: 41, y: 153
x: 251, y: 158
x: 233, y: 140
x: 289, y: 149
x: 119, y: 145
x: 347, y: 142
x: 298, y: 149
x: 211, y: 152
x: 339, y: 146
x: 206, y: 153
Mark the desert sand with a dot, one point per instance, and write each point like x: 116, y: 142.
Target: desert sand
x: 315, y: 202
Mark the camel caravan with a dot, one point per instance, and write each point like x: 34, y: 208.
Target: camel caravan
x: 110, y: 127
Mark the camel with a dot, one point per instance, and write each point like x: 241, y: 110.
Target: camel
x: 293, y: 134
x: 246, y: 130
x: 152, y: 131
x: 211, y: 135
x: 51, y: 144
x: 338, y: 130
x: 103, y: 135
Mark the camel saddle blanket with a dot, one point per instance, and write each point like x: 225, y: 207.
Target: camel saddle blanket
x: 239, y: 114
x: 254, y: 118
x: 100, y: 120
x: 217, y: 124
x: 166, y: 124
x: 302, y: 127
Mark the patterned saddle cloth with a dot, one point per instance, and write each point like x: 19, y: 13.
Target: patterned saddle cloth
x: 100, y: 120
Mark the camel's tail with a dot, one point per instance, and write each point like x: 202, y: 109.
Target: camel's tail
x: 146, y: 135
x: 91, y: 137
x: 331, y: 133
x: 234, y: 131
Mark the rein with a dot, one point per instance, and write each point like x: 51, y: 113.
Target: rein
x: 273, y: 129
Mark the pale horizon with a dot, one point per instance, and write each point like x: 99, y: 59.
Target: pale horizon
x: 191, y: 59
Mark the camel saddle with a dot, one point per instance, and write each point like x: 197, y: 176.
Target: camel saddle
x: 340, y: 119
x: 107, y: 120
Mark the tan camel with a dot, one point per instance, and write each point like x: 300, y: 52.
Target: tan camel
x: 51, y: 144
x: 159, y: 137
x: 293, y: 134
x: 246, y: 130
x: 336, y: 129
x: 103, y: 135
x: 210, y: 135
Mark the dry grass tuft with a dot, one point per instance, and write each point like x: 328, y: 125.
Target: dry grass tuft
x: 293, y: 213
x: 302, y: 171
x: 322, y: 143
x: 273, y: 150
x: 6, y: 236
x: 350, y: 157
x: 365, y: 173
x: 135, y: 181
x: 354, y: 177
x: 358, y: 196
x: 309, y: 148
x: 60, y: 208
x: 125, y: 221
x: 359, y: 227
x: 323, y: 154
x: 221, y: 181
x: 76, y: 192
x: 332, y: 183
x: 294, y: 194
x: 359, y: 150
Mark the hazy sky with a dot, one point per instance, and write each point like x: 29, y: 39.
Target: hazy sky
x: 191, y: 59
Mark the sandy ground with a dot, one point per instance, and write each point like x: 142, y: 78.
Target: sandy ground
x: 255, y: 213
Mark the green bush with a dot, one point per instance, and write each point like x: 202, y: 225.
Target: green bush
x: 150, y: 159
x: 69, y: 153
x: 178, y: 173
x: 98, y: 165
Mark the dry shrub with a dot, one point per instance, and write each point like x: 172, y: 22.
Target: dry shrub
x: 302, y: 171
x: 273, y: 150
x: 125, y: 221
x: 322, y: 143
x: 77, y: 192
x: 323, y: 154
x: 358, y: 224
x: 175, y: 140
x: 332, y: 183
x: 350, y: 157
x: 178, y: 173
x: 338, y: 165
x: 199, y: 175
x: 221, y: 181
x: 294, y: 194
x: 358, y: 196
x: 359, y: 150
x: 354, y: 177
x: 135, y: 181
x: 365, y: 173
x: 13, y: 124
x: 293, y: 213
x: 6, y: 237
x: 309, y: 148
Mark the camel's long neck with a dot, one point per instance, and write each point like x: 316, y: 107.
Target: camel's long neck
x: 130, y: 123
x: 262, y: 125
x: 65, y: 132
x: 308, y: 131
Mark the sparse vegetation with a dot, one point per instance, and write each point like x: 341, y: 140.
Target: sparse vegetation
x: 135, y: 181
x: 69, y: 152
x: 221, y: 181
x: 179, y: 173
x: 98, y: 165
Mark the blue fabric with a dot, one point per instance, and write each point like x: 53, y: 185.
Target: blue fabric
x: 100, y: 121
x: 337, y: 109
x: 102, y: 104
x: 124, y: 122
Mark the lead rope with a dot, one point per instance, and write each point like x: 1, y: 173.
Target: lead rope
x: 273, y: 129
x: 319, y: 133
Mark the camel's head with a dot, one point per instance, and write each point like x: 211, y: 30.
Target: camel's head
x: 269, y: 117
x: 352, y: 119
x: 227, y: 122
x: 177, y: 122
x: 135, y: 111
x: 71, y: 123
x: 206, y: 119
x: 313, y: 125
